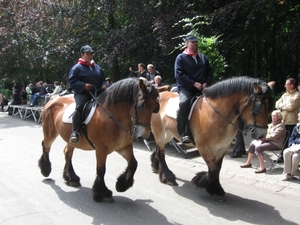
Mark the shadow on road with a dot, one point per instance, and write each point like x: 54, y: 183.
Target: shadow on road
x: 122, y: 211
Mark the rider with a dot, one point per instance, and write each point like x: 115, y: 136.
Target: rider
x: 84, y: 77
x: 193, y: 73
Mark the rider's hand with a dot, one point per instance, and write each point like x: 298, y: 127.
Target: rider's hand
x: 198, y: 85
x: 88, y: 86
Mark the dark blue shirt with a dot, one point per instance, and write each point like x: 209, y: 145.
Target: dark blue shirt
x: 295, y: 137
x: 188, y: 71
x: 81, y: 74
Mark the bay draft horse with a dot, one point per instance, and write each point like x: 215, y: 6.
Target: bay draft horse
x: 213, y: 125
x: 123, y: 113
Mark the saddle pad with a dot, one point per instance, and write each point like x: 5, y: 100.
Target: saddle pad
x: 172, y: 107
x: 67, y: 117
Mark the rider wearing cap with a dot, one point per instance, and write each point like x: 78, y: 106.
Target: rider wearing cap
x: 86, y: 76
x: 193, y: 73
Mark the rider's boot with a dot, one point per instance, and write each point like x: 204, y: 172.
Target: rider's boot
x: 74, y: 138
x: 182, y: 120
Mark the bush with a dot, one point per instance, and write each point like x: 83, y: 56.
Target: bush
x: 6, y: 92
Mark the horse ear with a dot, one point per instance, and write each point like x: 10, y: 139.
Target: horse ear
x: 271, y: 84
x: 163, y: 88
x: 142, y: 85
x: 257, y: 89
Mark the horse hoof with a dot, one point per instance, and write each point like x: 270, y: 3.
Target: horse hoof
x: 219, y: 198
x: 154, y: 170
x: 108, y: 200
x: 172, y: 183
x: 73, y: 183
x: 104, y: 199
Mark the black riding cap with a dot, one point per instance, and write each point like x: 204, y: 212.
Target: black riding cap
x: 86, y: 48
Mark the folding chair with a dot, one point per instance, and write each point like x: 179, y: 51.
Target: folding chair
x: 277, y: 152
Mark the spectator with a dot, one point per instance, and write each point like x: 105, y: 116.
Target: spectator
x: 23, y: 96
x: 239, y: 148
x: 289, y: 104
x: 28, y: 89
x: 274, y: 140
x: 292, y: 153
x: 3, y: 101
x: 16, y: 94
x: 158, y: 81
x: 151, y: 73
x: 57, y: 90
x: 141, y: 72
x: 63, y: 86
x: 193, y: 73
x: 38, y: 93
x: 108, y: 82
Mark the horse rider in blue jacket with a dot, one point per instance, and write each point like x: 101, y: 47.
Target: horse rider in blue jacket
x: 193, y: 73
x: 86, y: 76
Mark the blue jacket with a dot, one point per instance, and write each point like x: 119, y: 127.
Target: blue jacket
x: 81, y: 74
x: 187, y: 71
x: 295, y: 137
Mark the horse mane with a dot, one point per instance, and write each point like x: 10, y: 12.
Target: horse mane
x: 231, y: 86
x: 125, y: 91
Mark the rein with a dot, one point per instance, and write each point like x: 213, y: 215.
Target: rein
x: 251, y: 128
x: 111, y: 116
x: 225, y: 118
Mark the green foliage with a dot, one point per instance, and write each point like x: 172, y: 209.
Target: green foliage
x: 40, y: 40
x: 6, y: 92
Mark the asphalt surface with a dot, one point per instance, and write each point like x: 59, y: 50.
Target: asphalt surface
x: 271, y: 180
x: 26, y: 197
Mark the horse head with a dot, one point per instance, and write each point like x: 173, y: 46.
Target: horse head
x: 261, y: 100
x: 146, y: 104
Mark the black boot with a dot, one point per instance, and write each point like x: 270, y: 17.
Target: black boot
x: 74, y: 138
x: 182, y: 120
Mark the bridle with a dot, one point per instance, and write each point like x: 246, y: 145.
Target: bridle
x: 135, y: 124
x: 256, y: 110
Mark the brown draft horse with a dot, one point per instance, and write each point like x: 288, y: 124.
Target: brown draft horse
x: 213, y: 124
x: 123, y: 113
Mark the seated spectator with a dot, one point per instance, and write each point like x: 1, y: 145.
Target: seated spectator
x: 291, y: 154
x: 68, y: 91
x: 158, y: 81
x: 151, y: 73
x: 16, y: 94
x: 3, y: 101
x: 63, y: 86
x: 29, y: 91
x: 274, y: 140
x: 23, y: 96
x: 108, y: 82
x: 47, y: 88
x: 39, y: 91
x: 56, y: 91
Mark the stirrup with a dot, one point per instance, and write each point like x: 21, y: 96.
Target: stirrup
x: 74, y: 137
x: 185, y: 139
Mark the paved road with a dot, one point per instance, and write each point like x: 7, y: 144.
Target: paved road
x: 26, y: 197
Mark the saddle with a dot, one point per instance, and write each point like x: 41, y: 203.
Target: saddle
x: 87, y: 113
x: 172, y: 108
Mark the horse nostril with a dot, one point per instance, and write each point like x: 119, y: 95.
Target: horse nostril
x: 140, y: 138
